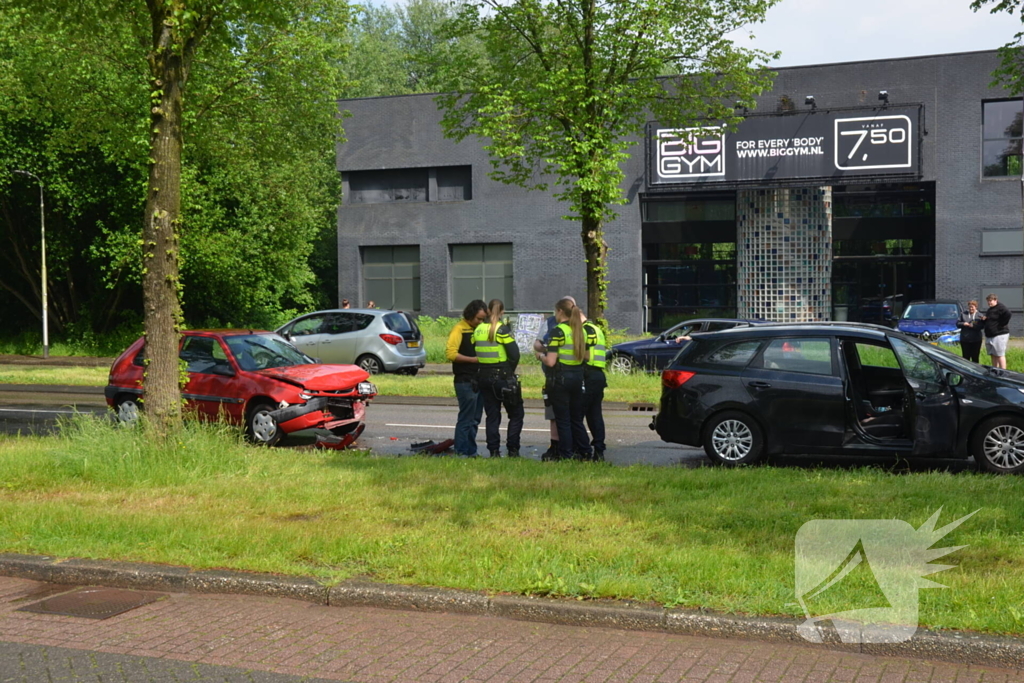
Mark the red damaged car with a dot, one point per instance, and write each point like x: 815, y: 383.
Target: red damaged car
x: 257, y: 379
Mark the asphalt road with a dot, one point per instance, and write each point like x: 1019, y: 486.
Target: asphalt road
x: 391, y: 427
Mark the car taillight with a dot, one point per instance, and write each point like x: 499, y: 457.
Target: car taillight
x: 673, y: 379
x: 392, y: 339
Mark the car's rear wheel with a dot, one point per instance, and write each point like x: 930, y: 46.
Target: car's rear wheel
x: 128, y: 410
x: 371, y: 364
x: 621, y: 364
x: 733, y: 438
x: 260, y: 426
x: 998, y: 444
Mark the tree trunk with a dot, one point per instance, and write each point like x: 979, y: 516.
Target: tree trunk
x: 596, y: 250
x: 162, y: 312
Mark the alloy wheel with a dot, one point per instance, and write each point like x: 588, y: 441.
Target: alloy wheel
x: 1004, y: 446
x: 732, y: 440
x: 621, y: 364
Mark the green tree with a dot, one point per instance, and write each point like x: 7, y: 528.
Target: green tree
x: 1010, y: 74
x: 398, y: 50
x: 251, y: 50
x: 567, y: 86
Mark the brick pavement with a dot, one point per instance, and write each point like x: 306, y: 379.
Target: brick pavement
x: 370, y: 645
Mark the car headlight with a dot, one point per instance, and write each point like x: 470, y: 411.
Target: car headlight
x: 366, y: 388
x: 305, y: 396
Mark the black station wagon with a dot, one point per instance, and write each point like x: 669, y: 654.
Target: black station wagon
x: 839, y: 389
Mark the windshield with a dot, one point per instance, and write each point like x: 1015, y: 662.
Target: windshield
x: 930, y: 312
x: 262, y: 351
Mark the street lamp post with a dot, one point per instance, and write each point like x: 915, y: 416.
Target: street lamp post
x: 42, y: 231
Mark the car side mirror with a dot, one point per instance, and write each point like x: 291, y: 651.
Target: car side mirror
x: 660, y: 337
x: 954, y: 379
x: 222, y: 369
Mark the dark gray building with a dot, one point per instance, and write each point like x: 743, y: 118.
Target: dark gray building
x: 852, y: 189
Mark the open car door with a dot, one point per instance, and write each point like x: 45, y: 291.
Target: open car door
x: 932, y: 407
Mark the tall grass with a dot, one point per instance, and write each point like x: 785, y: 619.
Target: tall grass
x: 709, y: 537
x: 98, y: 451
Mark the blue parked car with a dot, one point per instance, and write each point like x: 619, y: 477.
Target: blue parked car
x: 654, y: 355
x: 932, y: 320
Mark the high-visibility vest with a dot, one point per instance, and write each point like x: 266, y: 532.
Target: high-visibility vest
x: 599, y: 349
x: 565, y: 351
x: 488, y: 352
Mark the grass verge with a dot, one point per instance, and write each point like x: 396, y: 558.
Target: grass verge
x: 701, y: 538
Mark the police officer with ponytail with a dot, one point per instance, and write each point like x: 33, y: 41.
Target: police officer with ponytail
x: 497, y: 356
x: 595, y: 382
x: 566, y: 354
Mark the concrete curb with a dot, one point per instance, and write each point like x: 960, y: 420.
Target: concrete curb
x: 952, y: 646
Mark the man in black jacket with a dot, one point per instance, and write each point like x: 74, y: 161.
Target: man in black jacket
x: 997, y: 331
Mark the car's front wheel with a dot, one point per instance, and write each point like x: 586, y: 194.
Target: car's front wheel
x: 371, y: 364
x: 621, y: 364
x: 260, y: 427
x: 733, y: 438
x: 998, y: 444
x: 128, y: 410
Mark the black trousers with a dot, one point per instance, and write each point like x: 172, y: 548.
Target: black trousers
x: 971, y: 350
x: 493, y: 387
x: 593, y: 396
x: 565, y: 388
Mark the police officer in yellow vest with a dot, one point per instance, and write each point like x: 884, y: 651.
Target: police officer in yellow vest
x: 595, y: 383
x: 497, y: 356
x: 567, y: 351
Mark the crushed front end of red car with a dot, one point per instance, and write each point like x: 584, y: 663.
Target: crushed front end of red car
x: 339, y: 412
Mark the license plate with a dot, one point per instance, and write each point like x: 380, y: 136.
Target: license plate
x: 413, y: 344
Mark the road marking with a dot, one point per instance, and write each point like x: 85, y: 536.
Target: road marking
x: 390, y: 424
x: 24, y: 410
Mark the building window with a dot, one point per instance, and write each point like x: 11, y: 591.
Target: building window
x: 689, y: 280
x: 481, y: 271
x: 391, y: 185
x: 442, y: 184
x: 391, y: 277
x: 454, y: 184
x: 1001, y: 138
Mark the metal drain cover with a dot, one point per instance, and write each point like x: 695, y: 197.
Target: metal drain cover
x: 93, y: 603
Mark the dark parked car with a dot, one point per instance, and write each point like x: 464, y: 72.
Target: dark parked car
x: 655, y: 354
x: 932, y: 320
x: 256, y: 379
x: 839, y: 388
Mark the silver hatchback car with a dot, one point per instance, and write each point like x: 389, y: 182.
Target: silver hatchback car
x: 375, y: 340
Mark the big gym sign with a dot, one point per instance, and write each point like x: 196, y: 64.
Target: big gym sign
x: 823, y: 145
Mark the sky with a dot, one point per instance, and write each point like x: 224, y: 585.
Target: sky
x: 827, y: 31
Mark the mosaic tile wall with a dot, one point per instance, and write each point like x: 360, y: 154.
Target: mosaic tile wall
x: 784, y: 253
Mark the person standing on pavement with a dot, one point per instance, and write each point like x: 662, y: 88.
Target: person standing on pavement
x: 540, y: 349
x: 594, y: 381
x: 997, y: 330
x: 462, y: 355
x: 498, y: 356
x: 565, y: 354
x: 970, y: 325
